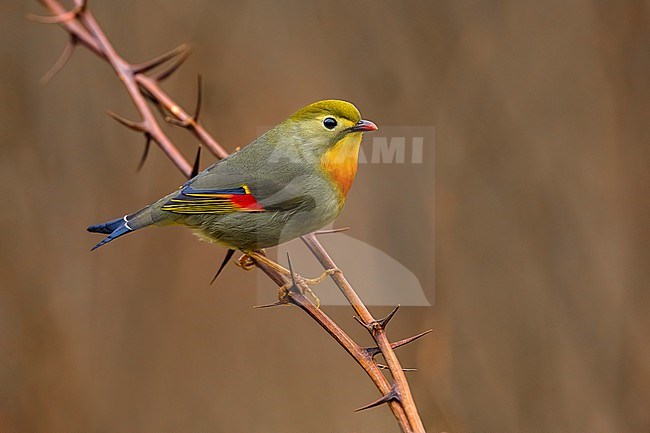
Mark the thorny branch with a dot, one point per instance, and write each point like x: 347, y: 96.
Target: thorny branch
x: 143, y: 86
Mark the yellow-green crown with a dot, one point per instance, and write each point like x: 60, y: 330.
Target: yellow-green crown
x: 341, y: 109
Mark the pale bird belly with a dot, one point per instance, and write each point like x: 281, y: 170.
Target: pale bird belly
x: 253, y: 231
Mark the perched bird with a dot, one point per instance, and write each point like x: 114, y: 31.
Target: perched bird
x: 290, y: 181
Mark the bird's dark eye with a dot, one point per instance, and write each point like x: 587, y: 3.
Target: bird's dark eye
x: 329, y: 123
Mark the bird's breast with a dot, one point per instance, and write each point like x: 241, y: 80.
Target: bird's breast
x: 340, y: 162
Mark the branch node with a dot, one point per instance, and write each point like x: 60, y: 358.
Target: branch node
x: 377, y: 325
x: 57, y: 19
x: 383, y: 322
x: 174, y: 117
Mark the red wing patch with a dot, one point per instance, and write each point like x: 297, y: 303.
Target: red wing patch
x: 213, y: 201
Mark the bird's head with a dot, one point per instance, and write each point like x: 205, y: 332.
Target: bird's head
x: 328, y: 133
x: 323, y: 124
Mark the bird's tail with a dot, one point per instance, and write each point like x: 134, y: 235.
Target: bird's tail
x: 121, y: 226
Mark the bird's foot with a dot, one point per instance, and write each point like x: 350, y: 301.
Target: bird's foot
x: 313, y: 281
x: 305, y: 290
x: 245, y: 262
x: 301, y: 283
x: 318, y: 280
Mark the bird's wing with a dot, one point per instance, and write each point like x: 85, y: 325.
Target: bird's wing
x: 231, y: 192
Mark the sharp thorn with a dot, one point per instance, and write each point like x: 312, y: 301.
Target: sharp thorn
x: 224, y: 263
x: 136, y: 126
x: 293, y: 276
x: 383, y: 322
x: 68, y: 50
x: 330, y: 231
x: 405, y: 370
x: 377, y: 324
x: 53, y: 19
x: 43, y: 19
x: 405, y: 341
x: 175, y: 121
x: 145, y: 153
x: 199, y: 99
x: 274, y: 304
x: 179, y: 61
x: 157, y: 61
x: 364, y: 324
x: 392, y: 395
x: 372, y: 351
x: 197, y: 160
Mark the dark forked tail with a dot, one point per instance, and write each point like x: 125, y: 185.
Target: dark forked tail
x: 121, y: 226
x: 114, y: 229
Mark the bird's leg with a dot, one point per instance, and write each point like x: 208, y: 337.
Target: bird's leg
x: 247, y: 262
x: 260, y: 256
x: 283, y: 291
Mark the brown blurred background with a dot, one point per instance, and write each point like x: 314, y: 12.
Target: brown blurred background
x: 541, y: 204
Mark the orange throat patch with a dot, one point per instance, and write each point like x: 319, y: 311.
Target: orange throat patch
x: 340, y: 162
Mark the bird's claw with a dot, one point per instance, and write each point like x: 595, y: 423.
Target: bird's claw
x: 307, y: 292
x: 245, y: 262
